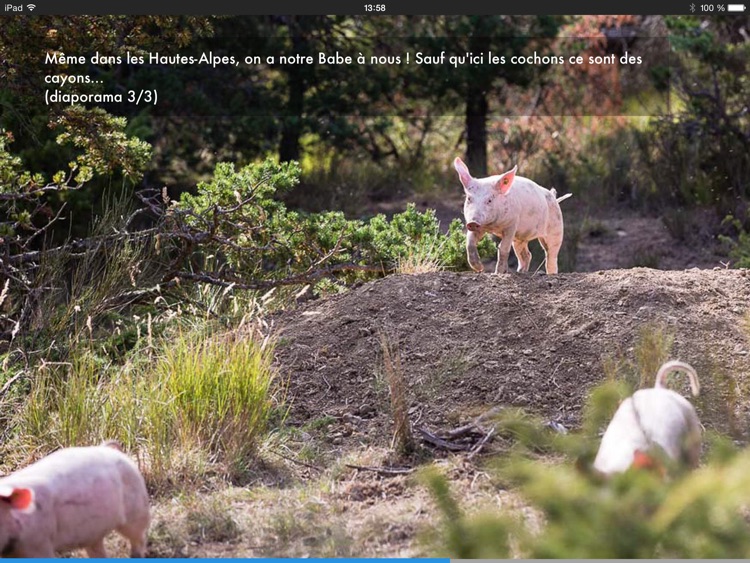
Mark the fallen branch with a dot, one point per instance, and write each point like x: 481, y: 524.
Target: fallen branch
x: 468, y: 428
x: 471, y: 437
x: 435, y: 440
x: 383, y: 470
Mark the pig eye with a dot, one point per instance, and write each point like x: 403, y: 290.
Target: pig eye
x: 468, y: 199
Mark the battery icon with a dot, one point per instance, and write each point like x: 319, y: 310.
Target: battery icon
x: 736, y: 7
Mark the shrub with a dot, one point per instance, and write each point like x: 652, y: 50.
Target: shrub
x: 235, y: 216
x: 578, y: 514
x: 635, y: 514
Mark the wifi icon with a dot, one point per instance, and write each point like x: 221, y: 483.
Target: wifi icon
x: 31, y: 7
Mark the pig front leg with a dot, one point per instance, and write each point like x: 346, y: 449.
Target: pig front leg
x: 472, y: 239
x: 38, y: 549
x: 137, y: 533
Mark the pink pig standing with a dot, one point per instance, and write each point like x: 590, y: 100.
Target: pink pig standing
x: 516, y: 209
x: 72, y: 499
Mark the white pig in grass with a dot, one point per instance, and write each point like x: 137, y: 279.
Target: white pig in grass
x: 72, y: 499
x: 516, y: 209
x: 652, y: 417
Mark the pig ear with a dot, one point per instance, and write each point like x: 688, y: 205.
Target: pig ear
x: 463, y: 173
x: 643, y: 460
x: 18, y: 498
x: 505, y: 182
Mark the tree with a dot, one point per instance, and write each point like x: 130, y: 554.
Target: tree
x: 483, y: 87
x: 48, y: 138
x: 700, y: 153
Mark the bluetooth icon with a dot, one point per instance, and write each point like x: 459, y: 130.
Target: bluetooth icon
x: 692, y: 7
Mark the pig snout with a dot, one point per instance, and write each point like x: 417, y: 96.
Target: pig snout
x: 473, y: 226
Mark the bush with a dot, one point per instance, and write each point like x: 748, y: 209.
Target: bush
x: 236, y: 216
x: 636, y: 514
x: 233, y: 235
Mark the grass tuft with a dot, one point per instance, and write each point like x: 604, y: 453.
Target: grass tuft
x: 200, y: 407
x: 403, y: 439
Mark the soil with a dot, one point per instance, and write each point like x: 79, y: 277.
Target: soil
x: 469, y: 342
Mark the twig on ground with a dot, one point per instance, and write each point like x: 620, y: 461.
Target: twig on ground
x: 478, y: 448
x: 468, y: 428
x: 431, y: 438
x: 463, y: 438
x: 10, y: 382
x: 297, y: 461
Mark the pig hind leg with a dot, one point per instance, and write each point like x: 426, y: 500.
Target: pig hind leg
x: 521, y: 248
x: 691, y: 446
x: 96, y: 549
x: 551, y: 250
x: 553, y: 236
x: 137, y: 534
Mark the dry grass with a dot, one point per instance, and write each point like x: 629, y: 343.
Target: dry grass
x: 422, y: 258
x: 403, y: 439
x: 652, y: 348
x: 415, y: 263
x: 339, y: 512
x: 330, y: 515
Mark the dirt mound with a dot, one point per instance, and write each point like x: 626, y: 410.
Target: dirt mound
x: 468, y: 342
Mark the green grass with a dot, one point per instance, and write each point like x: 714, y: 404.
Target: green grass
x: 219, y: 389
x: 199, y: 404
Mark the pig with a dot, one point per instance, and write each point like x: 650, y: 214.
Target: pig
x: 72, y: 499
x: 652, y: 417
x: 515, y: 209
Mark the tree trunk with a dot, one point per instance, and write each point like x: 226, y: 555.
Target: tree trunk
x: 476, y: 131
x: 291, y: 128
